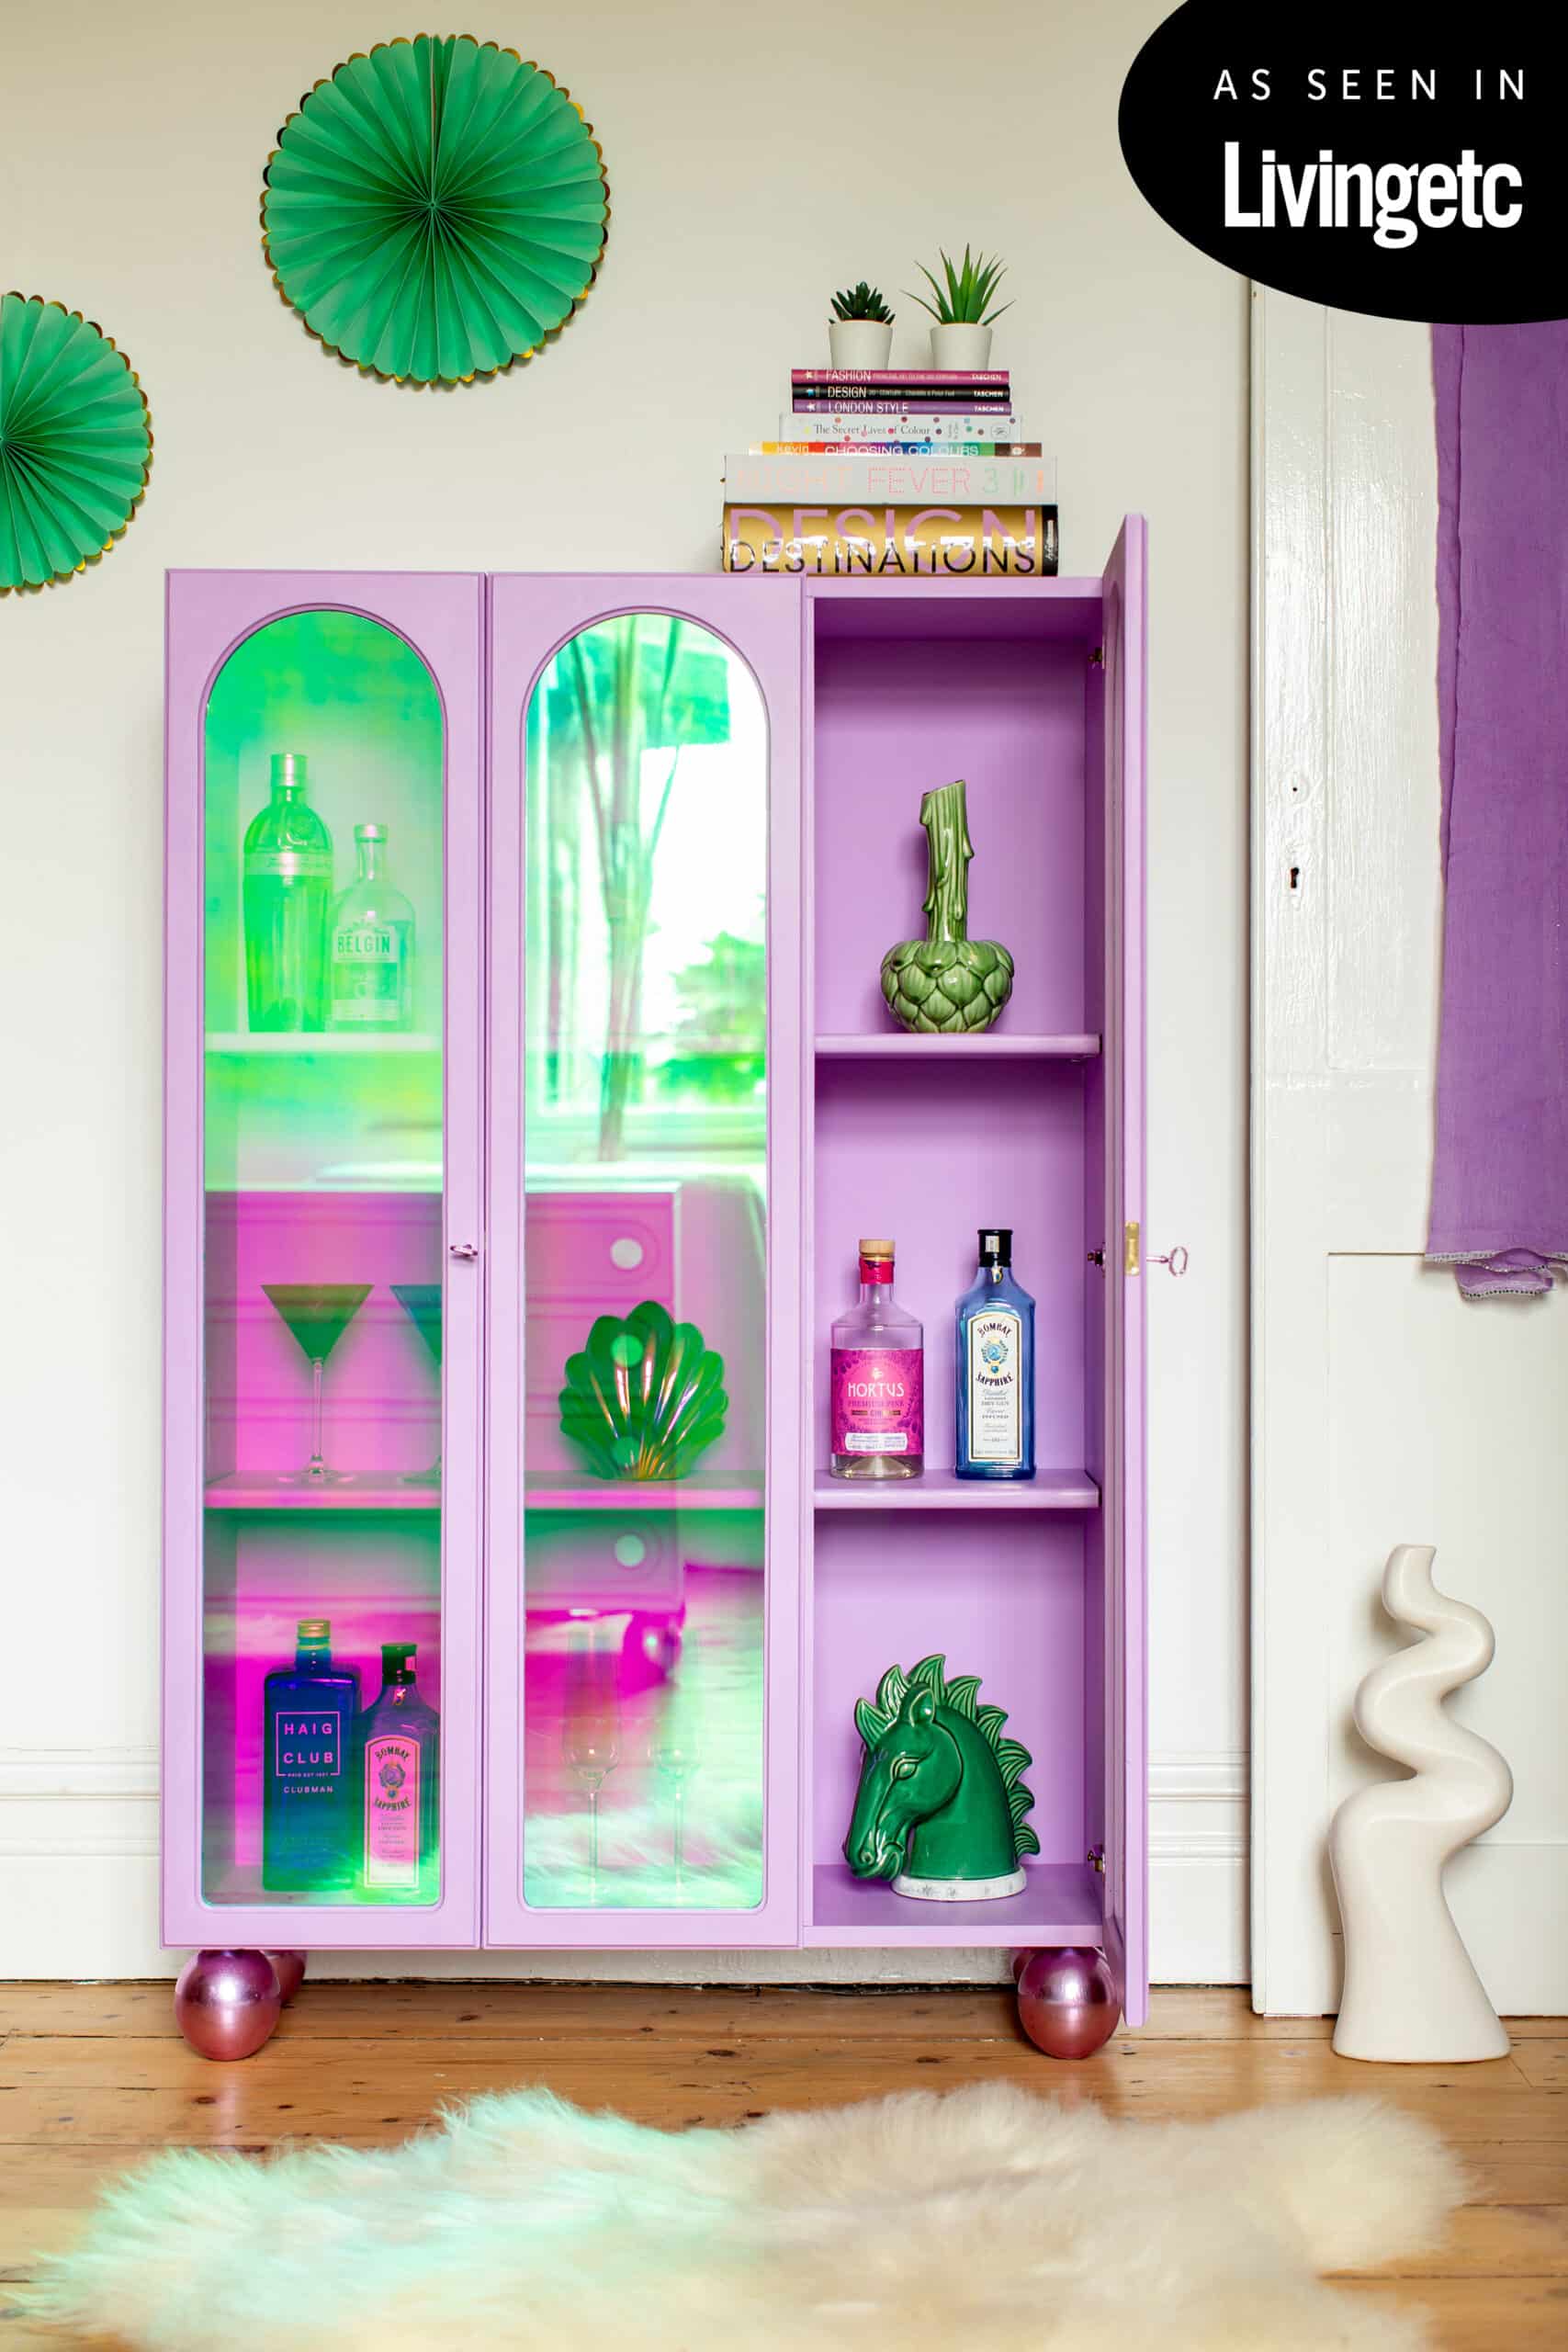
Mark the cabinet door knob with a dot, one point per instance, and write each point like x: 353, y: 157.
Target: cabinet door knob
x: 463, y: 1249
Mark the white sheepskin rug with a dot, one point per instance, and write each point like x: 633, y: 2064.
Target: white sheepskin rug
x: 986, y: 2220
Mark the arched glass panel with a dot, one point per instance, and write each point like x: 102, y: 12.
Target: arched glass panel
x: 645, y: 1272
x: 322, y: 814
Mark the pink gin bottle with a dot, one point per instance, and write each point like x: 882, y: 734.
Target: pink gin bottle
x: 877, y: 1384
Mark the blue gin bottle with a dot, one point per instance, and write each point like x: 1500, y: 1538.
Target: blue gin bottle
x: 309, y: 1812
x: 995, y: 1371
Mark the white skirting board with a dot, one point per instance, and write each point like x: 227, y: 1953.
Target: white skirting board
x: 79, y: 1897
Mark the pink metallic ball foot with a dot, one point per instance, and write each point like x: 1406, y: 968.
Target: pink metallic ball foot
x: 289, y: 1967
x: 227, y: 2003
x: 1066, y: 2001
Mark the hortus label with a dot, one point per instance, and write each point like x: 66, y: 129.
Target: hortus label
x: 878, y: 1400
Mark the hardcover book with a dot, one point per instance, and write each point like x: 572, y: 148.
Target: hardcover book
x: 833, y: 480
x: 910, y: 403
x: 892, y: 542
x: 878, y: 448
x: 939, y: 378
x: 899, y: 424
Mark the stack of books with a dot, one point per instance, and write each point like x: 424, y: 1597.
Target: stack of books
x: 894, y: 472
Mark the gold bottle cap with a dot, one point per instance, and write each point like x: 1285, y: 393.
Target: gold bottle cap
x: 314, y: 1629
x: 876, y: 1249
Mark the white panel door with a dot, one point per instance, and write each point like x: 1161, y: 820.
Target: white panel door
x: 1385, y: 1410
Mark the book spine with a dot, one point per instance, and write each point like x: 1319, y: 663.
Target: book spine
x: 891, y: 482
x: 843, y: 424
x: 956, y: 376
x: 971, y: 404
x: 896, y: 450
x: 893, y: 542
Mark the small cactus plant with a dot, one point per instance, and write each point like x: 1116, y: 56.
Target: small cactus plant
x: 863, y: 301
x: 947, y: 980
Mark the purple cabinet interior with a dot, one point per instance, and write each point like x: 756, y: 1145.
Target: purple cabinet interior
x: 872, y: 692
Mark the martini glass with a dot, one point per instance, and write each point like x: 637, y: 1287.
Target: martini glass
x: 318, y: 1313
x: 675, y: 1758
x: 420, y: 1302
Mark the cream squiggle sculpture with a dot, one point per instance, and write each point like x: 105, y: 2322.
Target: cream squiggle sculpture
x: 1411, y: 1990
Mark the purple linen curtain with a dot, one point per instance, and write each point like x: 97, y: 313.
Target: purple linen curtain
x: 1500, y: 1172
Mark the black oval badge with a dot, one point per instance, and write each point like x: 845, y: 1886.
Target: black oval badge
x: 1361, y: 157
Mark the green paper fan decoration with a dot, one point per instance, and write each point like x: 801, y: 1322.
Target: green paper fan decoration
x: 75, y: 442
x: 436, y: 209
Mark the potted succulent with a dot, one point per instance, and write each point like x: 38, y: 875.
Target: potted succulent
x: 860, y: 333
x: 962, y: 335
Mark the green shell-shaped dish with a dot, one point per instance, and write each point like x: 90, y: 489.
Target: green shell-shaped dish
x: 644, y: 1398
x: 950, y: 984
x: 436, y: 209
x: 75, y: 442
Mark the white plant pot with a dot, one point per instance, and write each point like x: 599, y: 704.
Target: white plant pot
x: 965, y: 347
x: 859, y: 342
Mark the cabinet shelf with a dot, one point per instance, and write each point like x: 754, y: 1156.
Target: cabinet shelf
x: 255, y: 1490
x: 943, y: 1491
x: 245, y: 1044
x: 543, y: 1491
x: 1060, y: 1904
x: 902, y: 1045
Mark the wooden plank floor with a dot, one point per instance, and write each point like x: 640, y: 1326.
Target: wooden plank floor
x: 93, y: 2076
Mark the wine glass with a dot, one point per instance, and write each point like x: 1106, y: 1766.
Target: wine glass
x: 675, y: 1758
x: 590, y: 1732
x: 420, y: 1302
x: 318, y: 1313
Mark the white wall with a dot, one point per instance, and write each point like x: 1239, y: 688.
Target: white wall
x: 748, y: 177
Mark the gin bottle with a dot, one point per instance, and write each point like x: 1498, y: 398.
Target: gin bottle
x: 372, y: 945
x: 286, y: 891
x: 399, y: 1779
x: 308, y: 1782
x: 995, y: 1371
x: 876, y: 1379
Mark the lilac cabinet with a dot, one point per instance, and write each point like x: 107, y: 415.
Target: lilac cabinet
x: 595, y: 1084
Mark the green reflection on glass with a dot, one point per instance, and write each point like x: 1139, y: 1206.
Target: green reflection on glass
x: 647, y: 1135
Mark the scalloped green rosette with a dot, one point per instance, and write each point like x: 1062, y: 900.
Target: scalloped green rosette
x: 75, y: 442
x: 436, y: 209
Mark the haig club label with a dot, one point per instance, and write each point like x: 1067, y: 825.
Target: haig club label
x: 1371, y: 159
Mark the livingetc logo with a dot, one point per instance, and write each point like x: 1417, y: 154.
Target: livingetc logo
x: 1361, y: 157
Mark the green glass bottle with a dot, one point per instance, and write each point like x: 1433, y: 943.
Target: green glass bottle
x: 288, y: 892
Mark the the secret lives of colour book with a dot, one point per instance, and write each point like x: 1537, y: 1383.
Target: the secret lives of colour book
x: 897, y: 542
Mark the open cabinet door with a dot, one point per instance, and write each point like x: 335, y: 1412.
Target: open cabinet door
x: 1122, y: 1511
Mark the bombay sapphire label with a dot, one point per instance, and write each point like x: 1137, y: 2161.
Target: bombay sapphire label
x: 996, y: 1385
x: 307, y: 1746
x: 391, y: 1812
x: 1401, y: 163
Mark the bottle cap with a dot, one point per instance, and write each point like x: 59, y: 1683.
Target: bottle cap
x: 314, y: 1629
x: 370, y: 832
x: 876, y: 1249
x: 996, y: 1245
x: 291, y: 769
x: 395, y: 1657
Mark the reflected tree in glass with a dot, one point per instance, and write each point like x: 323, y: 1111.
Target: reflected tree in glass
x: 643, y: 683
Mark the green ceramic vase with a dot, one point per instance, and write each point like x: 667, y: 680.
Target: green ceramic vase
x: 947, y: 980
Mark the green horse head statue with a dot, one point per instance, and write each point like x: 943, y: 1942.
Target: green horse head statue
x: 940, y: 1804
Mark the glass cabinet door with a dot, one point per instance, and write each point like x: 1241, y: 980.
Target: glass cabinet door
x: 641, y: 1654
x: 325, y: 775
